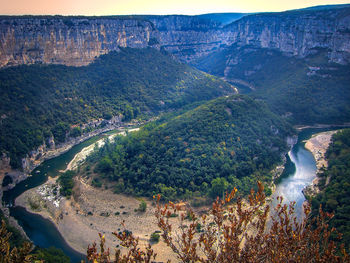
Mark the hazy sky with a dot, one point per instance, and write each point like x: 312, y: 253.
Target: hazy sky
x: 123, y: 7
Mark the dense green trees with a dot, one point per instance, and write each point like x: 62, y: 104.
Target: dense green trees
x: 38, y: 101
x: 230, y: 141
x: 66, y: 183
x: 308, y: 90
x: 335, y: 194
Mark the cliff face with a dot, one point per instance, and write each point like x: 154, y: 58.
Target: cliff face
x: 297, y: 33
x: 187, y: 37
x: 78, y: 40
x: 73, y: 42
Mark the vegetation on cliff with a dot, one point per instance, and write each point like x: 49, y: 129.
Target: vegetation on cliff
x: 38, y: 101
x: 230, y: 141
x: 334, y: 197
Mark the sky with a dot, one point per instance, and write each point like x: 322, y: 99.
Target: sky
x: 159, y: 7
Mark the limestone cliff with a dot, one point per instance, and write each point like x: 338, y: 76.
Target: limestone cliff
x: 69, y: 41
x: 78, y: 40
x: 296, y: 33
x: 187, y: 37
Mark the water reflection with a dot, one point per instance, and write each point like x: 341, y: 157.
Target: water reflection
x: 291, y: 186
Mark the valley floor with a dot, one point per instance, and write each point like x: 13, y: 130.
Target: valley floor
x: 92, y: 211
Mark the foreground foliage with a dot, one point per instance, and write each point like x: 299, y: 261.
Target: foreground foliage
x: 235, y: 231
x: 16, y: 239
x: 12, y: 255
x: 14, y: 248
x: 335, y: 195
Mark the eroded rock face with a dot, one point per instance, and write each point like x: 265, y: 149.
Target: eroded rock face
x: 297, y: 33
x: 76, y: 41
x: 69, y: 41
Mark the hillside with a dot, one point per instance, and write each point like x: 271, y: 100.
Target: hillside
x: 230, y: 141
x: 297, y: 61
x: 39, y: 101
x: 308, y: 90
x: 334, y: 197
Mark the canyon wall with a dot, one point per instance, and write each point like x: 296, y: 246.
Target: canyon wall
x: 69, y: 41
x: 77, y: 41
x: 296, y: 33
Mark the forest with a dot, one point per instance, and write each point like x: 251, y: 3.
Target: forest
x: 307, y: 90
x: 334, y: 197
x: 229, y: 141
x: 39, y: 101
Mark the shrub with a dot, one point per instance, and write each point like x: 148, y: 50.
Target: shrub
x: 155, y: 237
x: 142, y: 206
x: 224, y: 235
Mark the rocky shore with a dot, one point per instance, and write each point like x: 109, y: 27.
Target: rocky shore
x: 318, y: 145
x: 80, y: 157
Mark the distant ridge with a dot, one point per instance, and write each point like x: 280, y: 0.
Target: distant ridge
x: 78, y: 40
x: 323, y: 7
x: 224, y: 18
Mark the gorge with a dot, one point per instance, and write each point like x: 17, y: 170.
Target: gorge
x: 77, y: 41
x: 220, y: 98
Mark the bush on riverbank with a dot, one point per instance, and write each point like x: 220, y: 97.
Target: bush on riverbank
x: 67, y: 183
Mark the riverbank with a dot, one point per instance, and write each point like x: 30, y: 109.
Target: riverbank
x: 321, y: 126
x: 42, y: 154
x: 91, y: 211
x: 80, y: 157
x: 318, y: 145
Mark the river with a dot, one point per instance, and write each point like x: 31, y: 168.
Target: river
x: 41, y: 231
x: 300, y: 171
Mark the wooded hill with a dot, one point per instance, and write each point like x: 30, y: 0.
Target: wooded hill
x: 335, y: 195
x: 308, y: 90
x: 229, y: 141
x: 39, y: 101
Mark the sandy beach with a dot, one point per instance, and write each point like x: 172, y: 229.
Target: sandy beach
x: 318, y: 145
x: 80, y: 157
x: 91, y: 211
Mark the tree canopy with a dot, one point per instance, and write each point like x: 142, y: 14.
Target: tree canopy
x: 334, y: 195
x: 203, y: 151
x: 38, y: 101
